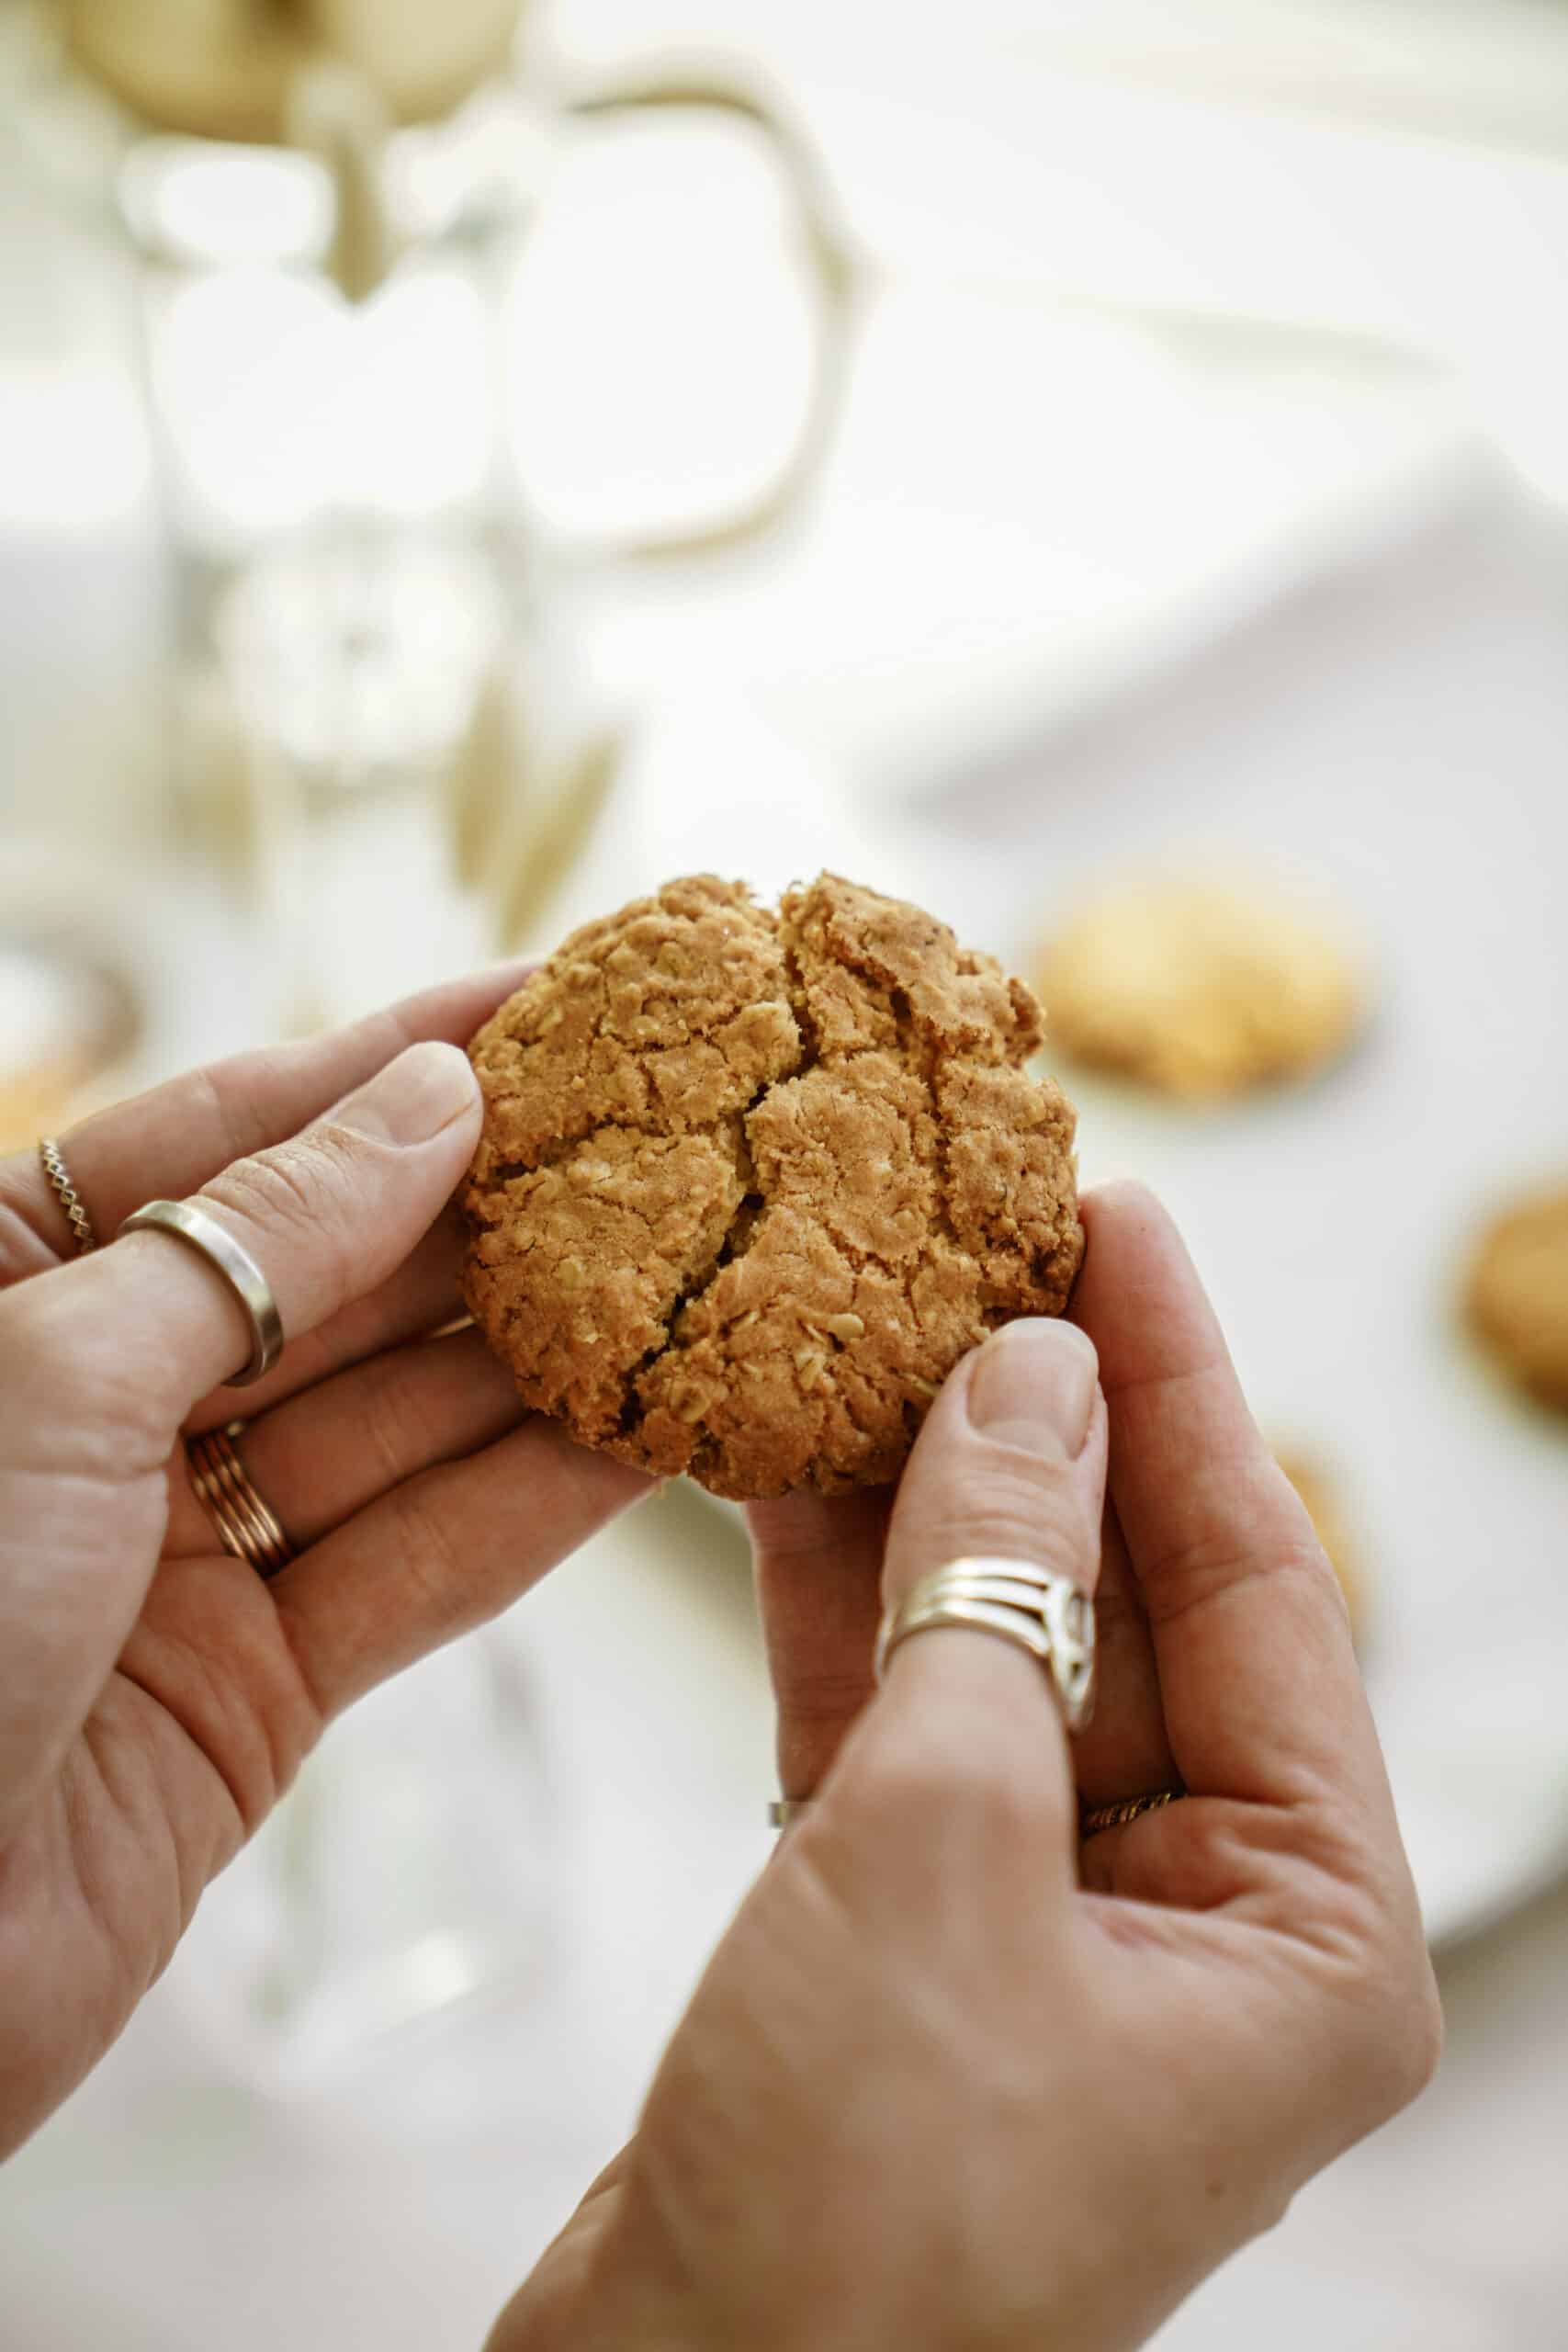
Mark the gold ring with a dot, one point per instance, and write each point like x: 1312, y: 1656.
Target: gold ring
x: 784, y: 1810
x: 71, y: 1200
x: 1112, y: 1816
x: 246, y: 1527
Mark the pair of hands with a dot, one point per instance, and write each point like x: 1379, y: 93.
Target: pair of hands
x: 946, y: 2080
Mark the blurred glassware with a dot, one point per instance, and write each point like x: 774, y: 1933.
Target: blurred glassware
x: 406, y: 1881
x: 65, y: 1017
x: 328, y: 205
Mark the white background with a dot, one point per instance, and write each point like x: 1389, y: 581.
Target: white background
x: 1393, y: 727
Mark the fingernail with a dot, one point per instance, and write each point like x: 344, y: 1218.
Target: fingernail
x: 414, y: 1097
x: 1033, y: 1386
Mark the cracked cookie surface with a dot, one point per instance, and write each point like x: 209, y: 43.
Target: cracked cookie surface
x: 750, y: 1183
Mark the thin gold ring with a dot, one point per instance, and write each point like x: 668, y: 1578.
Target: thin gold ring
x: 71, y: 1200
x: 781, y: 1811
x: 1112, y: 1816
x: 247, y: 1527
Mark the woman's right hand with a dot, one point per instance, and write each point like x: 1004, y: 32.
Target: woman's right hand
x: 951, y: 2079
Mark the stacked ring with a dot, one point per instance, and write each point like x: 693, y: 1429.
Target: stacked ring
x: 246, y: 1527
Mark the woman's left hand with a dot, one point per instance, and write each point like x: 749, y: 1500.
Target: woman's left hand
x: 157, y: 1695
x: 951, y: 2078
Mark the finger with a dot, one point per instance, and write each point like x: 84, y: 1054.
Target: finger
x: 1011, y: 1465
x: 319, y: 1458
x: 442, y: 1553
x: 819, y: 1561
x: 166, y: 1144
x: 101, y: 1361
x: 327, y: 1217
x: 1257, y: 1677
x: 419, y: 1297
x: 1124, y: 1751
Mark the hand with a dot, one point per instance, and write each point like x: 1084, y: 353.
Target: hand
x: 156, y: 1696
x: 949, y: 2080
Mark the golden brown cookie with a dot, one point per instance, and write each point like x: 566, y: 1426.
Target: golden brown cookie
x: 750, y: 1184
x: 1327, y: 1512
x: 1518, y: 1294
x: 1199, y: 989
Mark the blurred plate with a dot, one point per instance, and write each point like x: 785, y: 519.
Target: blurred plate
x: 176, y: 964
x: 1395, y: 747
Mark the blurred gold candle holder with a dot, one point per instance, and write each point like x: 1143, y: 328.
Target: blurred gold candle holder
x: 328, y: 204
x: 72, y: 1004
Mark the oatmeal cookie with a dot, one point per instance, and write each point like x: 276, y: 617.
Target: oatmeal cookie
x: 1198, y: 990
x: 750, y: 1183
x: 1517, y: 1295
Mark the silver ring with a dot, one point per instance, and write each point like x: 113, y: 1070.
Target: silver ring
x: 228, y: 1258
x: 1046, y: 1614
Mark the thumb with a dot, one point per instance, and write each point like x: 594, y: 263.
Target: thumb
x: 1011, y: 1465
x: 327, y: 1216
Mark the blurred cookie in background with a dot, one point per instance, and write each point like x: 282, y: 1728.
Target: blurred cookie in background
x: 1316, y: 1489
x: 1200, y: 989
x: 1517, y: 1295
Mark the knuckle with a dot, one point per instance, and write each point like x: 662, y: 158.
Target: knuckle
x: 284, y: 1187
x: 436, y: 1589
x: 1388, y: 2014
x: 1423, y: 2035
x: 1388, y: 2050
x: 1407, y: 2043
x: 394, y: 1416
x: 300, y: 1191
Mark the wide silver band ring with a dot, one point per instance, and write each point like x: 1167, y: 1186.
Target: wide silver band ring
x: 228, y: 1258
x: 1047, y: 1615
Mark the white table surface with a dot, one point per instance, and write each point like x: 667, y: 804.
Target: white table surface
x: 177, y: 2203
x: 177, y: 2207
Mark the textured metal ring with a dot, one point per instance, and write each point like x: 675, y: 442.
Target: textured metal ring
x: 1048, y: 1615
x: 1112, y: 1816
x: 234, y: 1265
x: 71, y: 1200
x: 246, y: 1526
